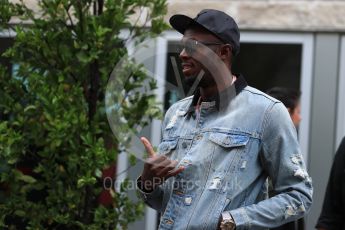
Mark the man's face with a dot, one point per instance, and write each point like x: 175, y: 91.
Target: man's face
x: 197, y: 41
x: 295, y: 114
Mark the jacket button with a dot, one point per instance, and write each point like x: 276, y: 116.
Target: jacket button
x: 184, y: 145
x: 178, y: 192
x: 198, y: 137
x: 168, y: 221
x: 227, y: 141
x: 188, y: 200
x: 186, y: 162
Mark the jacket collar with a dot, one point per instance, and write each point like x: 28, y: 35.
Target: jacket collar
x: 221, y: 99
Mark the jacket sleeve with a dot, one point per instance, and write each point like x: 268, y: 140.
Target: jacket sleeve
x: 281, y: 159
x: 332, y: 214
x: 153, y: 199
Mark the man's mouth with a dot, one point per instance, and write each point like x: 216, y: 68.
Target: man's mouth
x: 186, y: 67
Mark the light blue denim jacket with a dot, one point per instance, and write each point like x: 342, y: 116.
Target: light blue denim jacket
x: 228, y: 150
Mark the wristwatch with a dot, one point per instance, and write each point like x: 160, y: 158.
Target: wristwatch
x: 227, y: 222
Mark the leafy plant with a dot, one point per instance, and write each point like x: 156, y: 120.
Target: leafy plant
x: 54, y: 136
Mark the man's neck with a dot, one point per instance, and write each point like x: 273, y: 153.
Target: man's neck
x: 210, y: 91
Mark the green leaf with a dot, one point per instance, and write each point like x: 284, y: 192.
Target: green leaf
x: 30, y: 107
x: 86, y: 181
x: 83, y: 57
x: 12, y: 161
x: 20, y: 213
x: 27, y: 179
x: 98, y: 173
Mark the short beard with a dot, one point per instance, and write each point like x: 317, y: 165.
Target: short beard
x: 190, y: 80
x: 203, y: 82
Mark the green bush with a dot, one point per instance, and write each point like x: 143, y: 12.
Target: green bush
x: 52, y: 112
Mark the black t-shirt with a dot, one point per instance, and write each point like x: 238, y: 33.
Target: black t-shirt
x: 333, y: 211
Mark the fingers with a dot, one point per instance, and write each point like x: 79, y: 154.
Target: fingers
x: 175, y: 171
x: 159, y: 165
x: 157, y: 159
x: 165, y: 169
x: 148, y: 147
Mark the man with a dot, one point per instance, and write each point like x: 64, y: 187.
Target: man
x: 221, y: 144
x: 333, y: 211
x: 291, y: 99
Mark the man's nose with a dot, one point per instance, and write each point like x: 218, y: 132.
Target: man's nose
x: 183, y: 54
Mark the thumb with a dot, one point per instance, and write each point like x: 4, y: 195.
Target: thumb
x: 148, y: 147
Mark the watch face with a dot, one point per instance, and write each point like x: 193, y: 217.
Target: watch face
x: 228, y: 224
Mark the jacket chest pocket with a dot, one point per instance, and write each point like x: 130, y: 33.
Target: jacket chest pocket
x: 229, y: 148
x: 229, y: 140
x: 167, y: 147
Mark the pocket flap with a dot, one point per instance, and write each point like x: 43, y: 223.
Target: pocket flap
x: 166, y: 146
x: 229, y: 140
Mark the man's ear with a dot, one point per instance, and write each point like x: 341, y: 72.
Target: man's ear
x: 225, y: 52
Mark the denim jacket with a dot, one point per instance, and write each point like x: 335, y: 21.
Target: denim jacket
x: 228, y: 149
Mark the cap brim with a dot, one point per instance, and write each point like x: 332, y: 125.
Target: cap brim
x: 181, y: 22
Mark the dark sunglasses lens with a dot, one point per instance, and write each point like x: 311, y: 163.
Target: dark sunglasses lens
x: 189, y: 46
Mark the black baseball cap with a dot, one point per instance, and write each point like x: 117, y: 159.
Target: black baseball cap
x: 216, y: 22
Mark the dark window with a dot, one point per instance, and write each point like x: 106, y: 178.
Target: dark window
x: 268, y: 65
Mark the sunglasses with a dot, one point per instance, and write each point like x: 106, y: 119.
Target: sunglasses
x: 191, y: 46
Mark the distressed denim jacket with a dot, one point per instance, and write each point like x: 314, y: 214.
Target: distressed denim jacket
x: 228, y: 149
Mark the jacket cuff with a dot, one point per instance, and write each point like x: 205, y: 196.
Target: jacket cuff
x: 241, y: 219
x: 147, y: 195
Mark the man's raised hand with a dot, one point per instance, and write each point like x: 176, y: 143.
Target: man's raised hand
x: 157, y: 168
